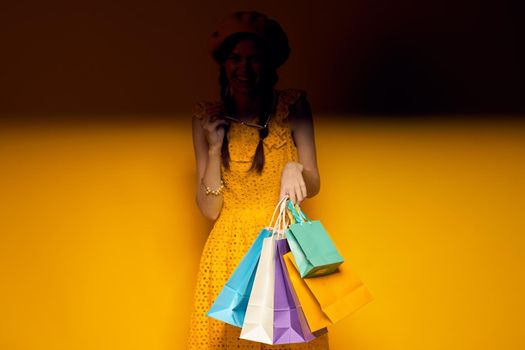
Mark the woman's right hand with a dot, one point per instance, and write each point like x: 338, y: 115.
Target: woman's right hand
x: 213, y: 125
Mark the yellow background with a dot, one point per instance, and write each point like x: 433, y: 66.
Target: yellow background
x: 100, y: 236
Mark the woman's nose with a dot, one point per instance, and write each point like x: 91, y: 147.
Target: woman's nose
x: 244, y: 64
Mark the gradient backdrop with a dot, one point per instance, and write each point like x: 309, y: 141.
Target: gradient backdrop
x: 421, y: 149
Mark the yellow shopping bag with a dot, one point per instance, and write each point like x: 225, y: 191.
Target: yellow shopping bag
x: 338, y: 294
x: 312, y: 310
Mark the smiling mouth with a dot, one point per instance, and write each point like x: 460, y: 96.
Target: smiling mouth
x: 244, y: 79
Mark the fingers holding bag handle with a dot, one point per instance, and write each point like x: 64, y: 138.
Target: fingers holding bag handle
x: 284, y: 214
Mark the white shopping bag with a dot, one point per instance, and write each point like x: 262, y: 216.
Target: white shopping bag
x: 258, y: 321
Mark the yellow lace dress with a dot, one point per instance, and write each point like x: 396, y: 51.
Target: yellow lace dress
x: 249, y: 200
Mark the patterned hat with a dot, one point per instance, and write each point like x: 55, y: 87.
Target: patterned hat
x: 256, y: 23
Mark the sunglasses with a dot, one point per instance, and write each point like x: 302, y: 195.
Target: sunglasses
x: 251, y: 125
x: 254, y: 125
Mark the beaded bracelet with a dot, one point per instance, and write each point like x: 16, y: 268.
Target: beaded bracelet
x: 214, y: 192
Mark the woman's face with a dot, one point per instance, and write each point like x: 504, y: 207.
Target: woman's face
x: 244, y: 66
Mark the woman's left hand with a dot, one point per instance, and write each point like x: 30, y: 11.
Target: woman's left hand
x: 292, y: 182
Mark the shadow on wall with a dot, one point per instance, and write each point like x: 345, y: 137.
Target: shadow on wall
x: 411, y: 77
x: 400, y: 78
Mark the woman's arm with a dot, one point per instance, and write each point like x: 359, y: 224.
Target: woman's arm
x: 301, y: 179
x: 207, y: 142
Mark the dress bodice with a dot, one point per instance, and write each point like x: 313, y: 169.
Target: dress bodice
x: 249, y: 190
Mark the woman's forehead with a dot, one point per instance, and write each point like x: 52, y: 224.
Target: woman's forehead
x: 246, y: 46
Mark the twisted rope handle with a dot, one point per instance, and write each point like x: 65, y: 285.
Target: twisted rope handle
x: 297, y: 213
x: 278, y: 206
x: 281, y: 222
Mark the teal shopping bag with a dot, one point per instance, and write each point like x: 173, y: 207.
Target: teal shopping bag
x: 312, y: 248
x: 231, y: 303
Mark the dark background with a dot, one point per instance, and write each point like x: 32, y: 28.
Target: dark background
x: 380, y: 57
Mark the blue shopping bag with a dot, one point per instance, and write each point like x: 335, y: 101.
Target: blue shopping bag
x: 231, y: 303
x: 312, y: 249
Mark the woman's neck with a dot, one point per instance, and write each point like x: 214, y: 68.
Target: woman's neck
x: 247, y: 106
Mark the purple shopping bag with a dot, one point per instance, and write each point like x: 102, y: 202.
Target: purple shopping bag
x: 289, y: 325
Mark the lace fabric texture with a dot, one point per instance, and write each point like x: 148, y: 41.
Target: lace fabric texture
x: 249, y: 200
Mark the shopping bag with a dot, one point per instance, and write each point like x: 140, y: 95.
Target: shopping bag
x: 338, y: 294
x: 315, y: 316
x: 258, y: 321
x: 259, y: 317
x: 290, y: 325
x: 314, y: 252
x: 231, y: 303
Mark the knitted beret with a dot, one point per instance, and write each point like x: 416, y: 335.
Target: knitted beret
x: 256, y: 23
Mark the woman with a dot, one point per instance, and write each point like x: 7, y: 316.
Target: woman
x: 252, y: 147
